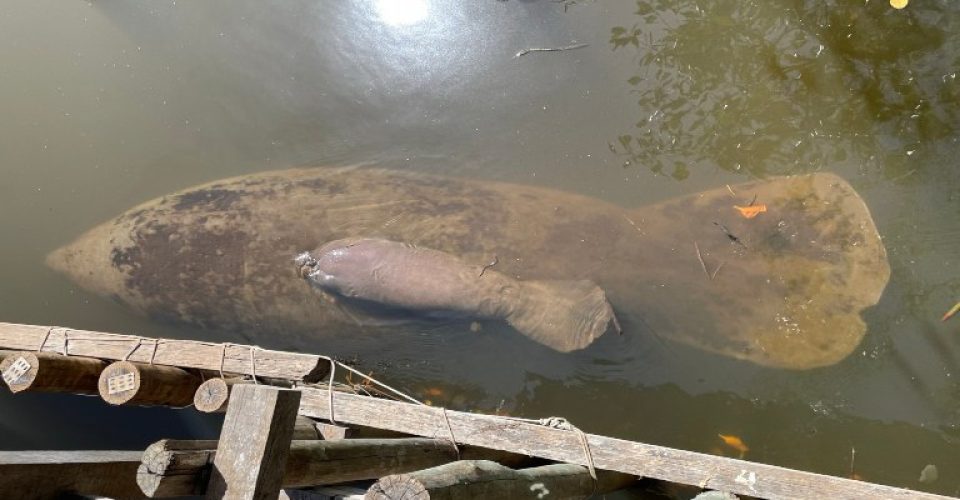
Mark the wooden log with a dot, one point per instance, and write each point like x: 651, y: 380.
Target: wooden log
x: 640, y: 459
x: 177, y: 468
x: 305, y: 429
x: 469, y: 479
x: 47, y: 372
x: 172, y: 468
x: 331, y: 432
x: 254, y: 443
x: 212, y: 395
x: 123, y: 382
x: 48, y: 474
x: 169, y: 352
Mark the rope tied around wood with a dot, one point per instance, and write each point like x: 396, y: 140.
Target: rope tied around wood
x: 565, y: 425
x: 453, y: 440
x: 153, y: 354
x: 45, y: 338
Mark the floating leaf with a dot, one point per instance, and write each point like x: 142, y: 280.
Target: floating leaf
x: 953, y: 310
x: 751, y: 211
x: 929, y: 474
x: 899, y: 4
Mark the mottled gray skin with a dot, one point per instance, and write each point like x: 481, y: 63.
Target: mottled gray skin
x: 219, y: 255
x: 564, y: 315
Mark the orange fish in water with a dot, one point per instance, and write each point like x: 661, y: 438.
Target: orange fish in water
x: 751, y: 211
x: 435, y: 392
x: 735, y: 442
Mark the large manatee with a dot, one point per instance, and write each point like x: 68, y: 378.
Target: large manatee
x: 784, y: 288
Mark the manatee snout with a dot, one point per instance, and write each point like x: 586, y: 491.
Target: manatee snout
x: 337, y: 266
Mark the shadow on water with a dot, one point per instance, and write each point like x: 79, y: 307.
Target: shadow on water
x: 786, y: 87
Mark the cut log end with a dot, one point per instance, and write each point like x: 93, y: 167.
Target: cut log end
x: 19, y: 370
x: 124, y: 382
x: 397, y: 487
x: 49, y: 372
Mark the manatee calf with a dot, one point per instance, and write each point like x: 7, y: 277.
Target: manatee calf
x: 564, y: 315
x: 784, y: 288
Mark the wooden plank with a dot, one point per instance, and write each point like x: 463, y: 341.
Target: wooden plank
x: 254, y: 443
x: 467, y: 479
x: 172, y: 468
x: 659, y: 462
x: 47, y: 474
x: 169, y: 352
x: 46, y: 372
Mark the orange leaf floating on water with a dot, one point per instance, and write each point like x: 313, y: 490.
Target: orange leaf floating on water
x: 751, y: 211
x: 953, y: 310
x: 734, y: 442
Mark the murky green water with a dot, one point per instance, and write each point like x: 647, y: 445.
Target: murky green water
x: 109, y: 104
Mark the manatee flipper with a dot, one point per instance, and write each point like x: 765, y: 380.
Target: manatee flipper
x: 563, y: 315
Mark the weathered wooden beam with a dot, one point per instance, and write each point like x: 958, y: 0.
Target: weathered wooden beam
x: 305, y: 429
x: 331, y: 432
x: 48, y: 474
x: 477, y: 479
x: 123, y: 382
x: 169, y: 468
x: 181, y: 353
x: 640, y: 459
x: 47, y: 372
x: 172, y: 468
x: 254, y: 443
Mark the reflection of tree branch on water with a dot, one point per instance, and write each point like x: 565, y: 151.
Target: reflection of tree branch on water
x: 762, y: 89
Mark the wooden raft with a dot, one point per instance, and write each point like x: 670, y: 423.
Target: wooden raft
x: 262, y: 426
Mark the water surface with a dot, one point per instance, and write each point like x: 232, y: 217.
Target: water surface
x: 108, y: 104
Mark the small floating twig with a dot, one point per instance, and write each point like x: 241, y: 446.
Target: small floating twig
x: 488, y: 266
x: 717, y: 270
x: 700, y: 258
x: 550, y: 49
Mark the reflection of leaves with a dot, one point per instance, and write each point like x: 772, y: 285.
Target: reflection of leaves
x: 621, y: 37
x: 760, y: 89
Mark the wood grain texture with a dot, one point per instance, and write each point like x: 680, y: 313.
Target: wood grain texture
x: 148, y: 384
x: 213, y: 394
x: 659, y: 462
x: 480, y: 479
x: 47, y: 474
x: 172, y: 468
x: 170, y: 352
x: 254, y: 443
x: 54, y: 373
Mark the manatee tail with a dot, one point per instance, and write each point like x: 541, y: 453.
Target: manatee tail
x: 563, y: 315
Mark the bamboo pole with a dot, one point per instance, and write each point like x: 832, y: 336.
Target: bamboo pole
x: 478, y: 479
x: 228, y: 358
x: 124, y: 382
x: 47, y: 372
